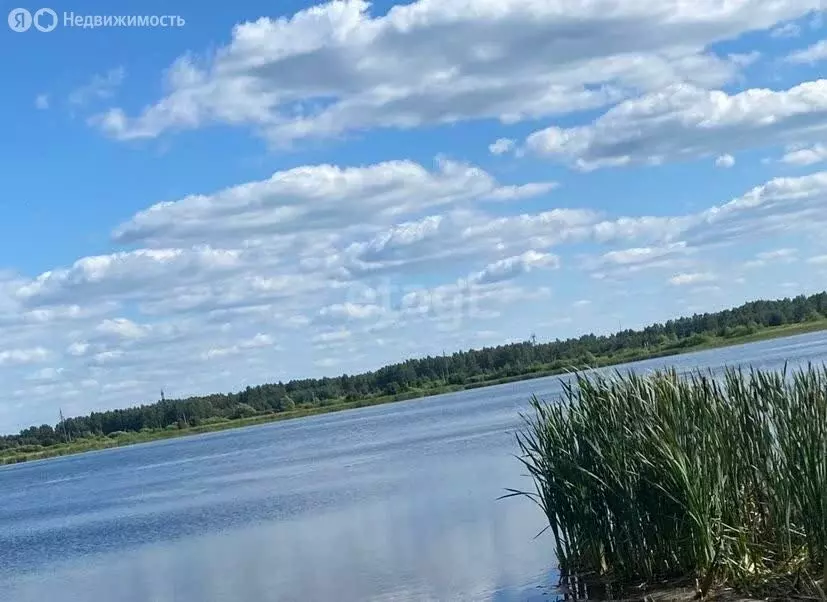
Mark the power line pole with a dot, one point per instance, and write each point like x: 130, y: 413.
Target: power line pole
x: 66, y: 437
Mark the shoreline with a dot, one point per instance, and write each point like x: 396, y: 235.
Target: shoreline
x: 630, y: 356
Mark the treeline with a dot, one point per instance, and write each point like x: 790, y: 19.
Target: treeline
x: 460, y: 368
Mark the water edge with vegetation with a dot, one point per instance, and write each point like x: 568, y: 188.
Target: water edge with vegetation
x: 753, y: 321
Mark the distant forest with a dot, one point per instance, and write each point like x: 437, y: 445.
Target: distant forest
x: 460, y: 368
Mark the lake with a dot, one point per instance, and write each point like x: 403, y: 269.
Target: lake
x: 392, y: 502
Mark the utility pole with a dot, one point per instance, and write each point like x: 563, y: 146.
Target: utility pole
x: 66, y: 437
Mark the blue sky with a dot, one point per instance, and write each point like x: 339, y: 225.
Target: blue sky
x: 279, y: 190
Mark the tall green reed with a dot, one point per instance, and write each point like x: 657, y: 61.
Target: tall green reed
x: 666, y: 475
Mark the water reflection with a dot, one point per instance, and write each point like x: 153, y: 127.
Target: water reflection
x: 394, y: 549
x: 409, y: 515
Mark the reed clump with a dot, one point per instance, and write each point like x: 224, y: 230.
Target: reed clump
x: 721, y: 478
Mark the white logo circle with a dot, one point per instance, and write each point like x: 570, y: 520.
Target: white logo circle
x: 45, y: 20
x: 20, y: 20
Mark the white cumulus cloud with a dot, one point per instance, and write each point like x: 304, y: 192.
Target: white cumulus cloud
x: 691, y: 278
x: 725, y: 161
x: 337, y: 67
x: 812, y: 54
x: 687, y: 122
x: 806, y: 156
x: 501, y: 146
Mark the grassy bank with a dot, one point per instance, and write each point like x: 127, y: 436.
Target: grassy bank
x: 722, y: 483
x: 16, y: 455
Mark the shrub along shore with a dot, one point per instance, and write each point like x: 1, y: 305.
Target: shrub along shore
x: 715, y: 480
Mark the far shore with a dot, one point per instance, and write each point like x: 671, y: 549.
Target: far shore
x: 103, y: 442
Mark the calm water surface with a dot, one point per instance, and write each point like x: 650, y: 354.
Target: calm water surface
x: 395, y: 502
